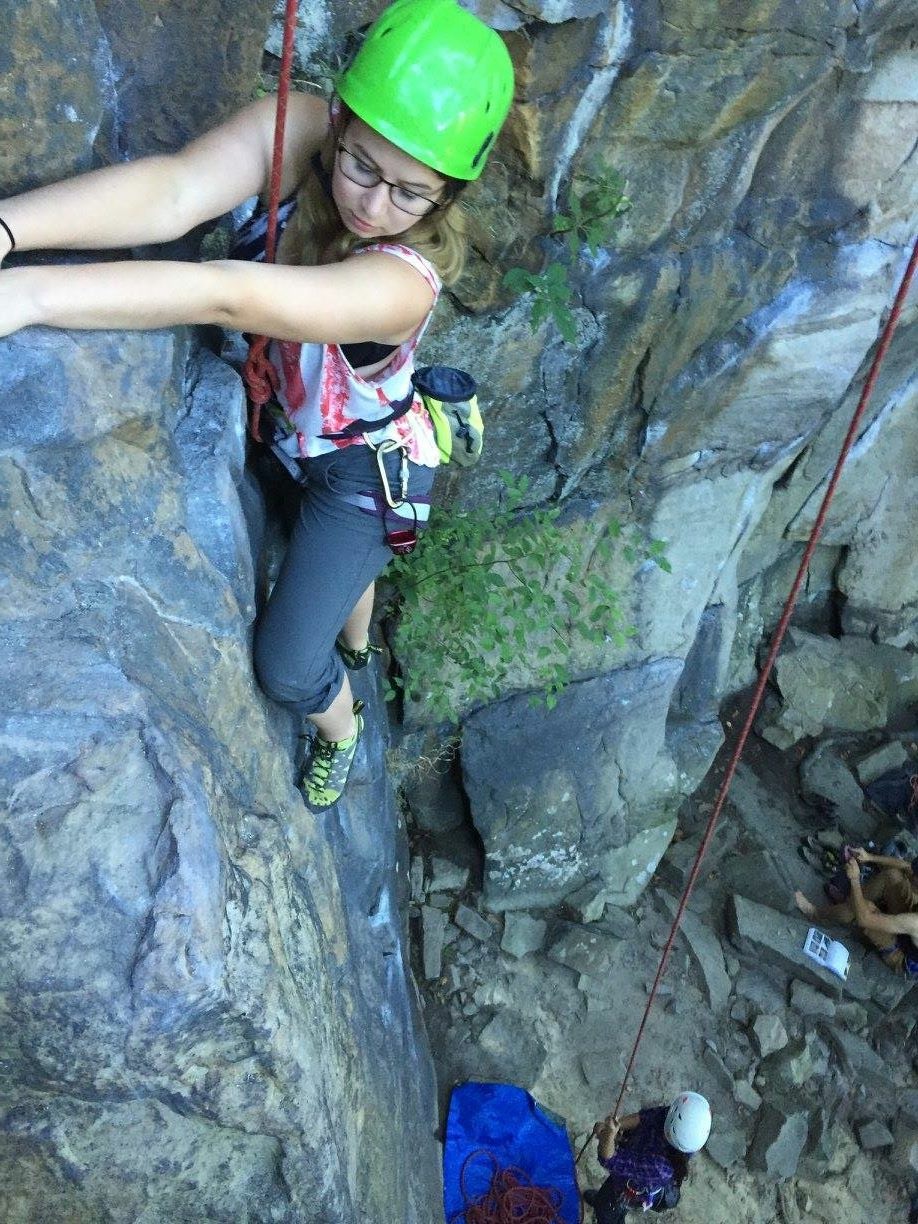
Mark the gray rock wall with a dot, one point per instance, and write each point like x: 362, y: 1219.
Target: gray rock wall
x: 203, y: 967
x: 208, y: 1010
x: 723, y: 336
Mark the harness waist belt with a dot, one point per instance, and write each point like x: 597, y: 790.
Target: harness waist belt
x: 416, y: 510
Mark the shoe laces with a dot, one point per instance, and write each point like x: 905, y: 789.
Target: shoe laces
x: 323, y: 753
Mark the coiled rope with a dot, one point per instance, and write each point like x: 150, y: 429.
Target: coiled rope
x: 510, y: 1198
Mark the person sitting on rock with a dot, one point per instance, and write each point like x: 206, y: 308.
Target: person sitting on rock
x: 647, y: 1155
x: 886, y: 905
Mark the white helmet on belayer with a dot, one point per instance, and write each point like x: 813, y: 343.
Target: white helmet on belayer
x: 688, y: 1122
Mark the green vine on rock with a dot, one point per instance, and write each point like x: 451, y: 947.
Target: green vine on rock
x: 492, y: 600
x: 597, y: 201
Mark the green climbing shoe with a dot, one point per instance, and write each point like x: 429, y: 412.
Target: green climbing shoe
x: 329, y: 764
x: 356, y: 660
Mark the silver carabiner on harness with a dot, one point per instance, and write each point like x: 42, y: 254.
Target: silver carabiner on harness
x: 403, y: 539
x: 386, y: 447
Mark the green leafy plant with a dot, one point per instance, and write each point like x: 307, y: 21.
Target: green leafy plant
x: 594, y: 212
x: 590, y: 219
x: 496, y: 599
x: 552, y: 296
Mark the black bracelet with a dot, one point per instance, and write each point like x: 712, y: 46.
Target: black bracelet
x: 9, y: 234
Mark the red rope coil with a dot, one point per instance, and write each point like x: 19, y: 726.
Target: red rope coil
x: 510, y: 1198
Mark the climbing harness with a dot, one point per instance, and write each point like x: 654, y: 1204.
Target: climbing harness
x: 885, y: 340
x: 636, y: 1199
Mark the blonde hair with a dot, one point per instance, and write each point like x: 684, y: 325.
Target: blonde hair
x: 315, y: 233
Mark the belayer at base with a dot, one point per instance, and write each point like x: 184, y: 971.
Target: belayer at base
x: 647, y: 1157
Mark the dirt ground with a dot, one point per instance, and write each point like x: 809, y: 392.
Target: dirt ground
x: 566, y: 1038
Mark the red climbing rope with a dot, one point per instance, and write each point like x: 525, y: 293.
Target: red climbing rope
x: 258, y: 372
x: 510, y: 1197
x: 885, y: 340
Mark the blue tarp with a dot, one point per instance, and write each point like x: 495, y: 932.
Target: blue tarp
x: 508, y: 1122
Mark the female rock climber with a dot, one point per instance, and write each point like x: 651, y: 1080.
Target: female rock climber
x: 646, y: 1155
x: 372, y: 226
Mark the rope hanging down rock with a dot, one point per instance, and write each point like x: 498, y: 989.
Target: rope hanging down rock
x: 511, y: 1196
x: 258, y: 373
x: 885, y: 340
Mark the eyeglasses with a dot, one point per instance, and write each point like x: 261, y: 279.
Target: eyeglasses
x: 353, y: 168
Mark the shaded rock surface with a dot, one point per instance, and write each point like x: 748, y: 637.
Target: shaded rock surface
x: 250, y: 1006
x: 199, y: 975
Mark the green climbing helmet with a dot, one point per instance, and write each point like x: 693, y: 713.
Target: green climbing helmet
x: 435, y: 80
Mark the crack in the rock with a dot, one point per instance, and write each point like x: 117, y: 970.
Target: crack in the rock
x: 23, y: 474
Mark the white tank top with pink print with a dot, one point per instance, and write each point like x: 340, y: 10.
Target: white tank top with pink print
x: 321, y: 394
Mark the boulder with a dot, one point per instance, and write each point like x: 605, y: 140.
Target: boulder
x: 779, y: 1141
x: 446, y: 876
x: 825, y: 776
x: 560, y: 796
x: 679, y: 859
x: 586, y: 950
x: 706, y: 952
x: 876, y: 763
x: 846, y: 684
x: 746, y: 1095
x: 756, y: 988
x: 860, y: 1060
x: 779, y: 938
x: 433, y: 930
x: 473, y: 923
x: 522, y: 933
x: 589, y: 901
x: 874, y: 1135
x: 809, y: 1002
x: 795, y: 1065
x: 770, y: 1035
x: 772, y: 829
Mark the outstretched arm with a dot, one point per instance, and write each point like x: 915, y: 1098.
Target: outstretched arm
x: 160, y: 198
x: 374, y: 296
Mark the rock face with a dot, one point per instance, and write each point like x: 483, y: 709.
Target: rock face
x: 125, y: 80
x: 195, y: 964
x: 577, y: 795
x: 199, y: 976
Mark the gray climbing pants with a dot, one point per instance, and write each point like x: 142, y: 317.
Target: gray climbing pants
x: 336, y: 550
